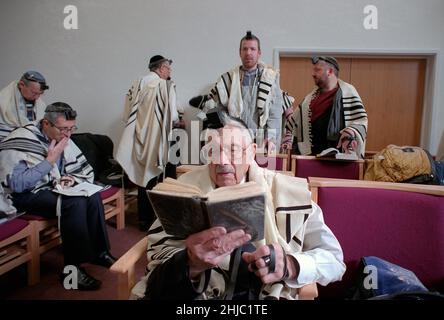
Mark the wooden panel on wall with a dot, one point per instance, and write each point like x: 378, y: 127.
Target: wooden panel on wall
x: 296, y: 75
x: 392, y: 90
x: 393, y: 93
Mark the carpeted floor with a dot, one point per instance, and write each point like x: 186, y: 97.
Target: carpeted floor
x: 13, y: 285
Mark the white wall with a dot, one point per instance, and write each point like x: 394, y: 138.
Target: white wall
x: 91, y: 68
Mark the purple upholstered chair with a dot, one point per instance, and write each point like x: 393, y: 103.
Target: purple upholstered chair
x: 309, y: 166
x: 279, y: 162
x: 401, y: 223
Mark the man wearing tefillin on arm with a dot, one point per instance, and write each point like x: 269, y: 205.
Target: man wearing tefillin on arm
x: 298, y: 248
x: 331, y: 116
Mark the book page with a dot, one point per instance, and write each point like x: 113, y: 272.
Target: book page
x: 238, y: 191
x: 173, y: 186
x: 82, y: 189
x: 330, y: 152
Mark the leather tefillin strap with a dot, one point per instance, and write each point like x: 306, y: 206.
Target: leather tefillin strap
x: 270, y: 261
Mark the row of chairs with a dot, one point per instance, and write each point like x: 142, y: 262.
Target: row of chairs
x: 394, y: 221
x: 310, y: 166
x: 24, y: 239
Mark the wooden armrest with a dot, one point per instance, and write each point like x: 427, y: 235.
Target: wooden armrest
x: 125, y: 266
x: 308, y: 292
x: 129, y: 259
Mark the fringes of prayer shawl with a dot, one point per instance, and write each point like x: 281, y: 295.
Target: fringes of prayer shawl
x: 287, y: 210
x: 28, y: 144
x: 143, y: 148
x: 355, y: 117
x: 227, y: 91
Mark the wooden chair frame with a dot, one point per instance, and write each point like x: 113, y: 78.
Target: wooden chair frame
x: 22, y: 247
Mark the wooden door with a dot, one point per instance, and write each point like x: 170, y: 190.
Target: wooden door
x: 392, y: 90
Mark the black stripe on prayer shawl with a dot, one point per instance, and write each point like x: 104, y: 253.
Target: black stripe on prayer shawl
x: 25, y: 147
x: 290, y: 124
x: 299, y: 242
x: 158, y: 255
x: 160, y: 106
x: 261, y: 90
x: 156, y: 112
x: 133, y: 113
x: 294, y: 208
x: 227, y: 85
x: 229, y: 77
x: 163, y: 240
x: 349, y: 98
x: 352, y: 108
x: 265, y: 83
x: 288, y: 228
x: 26, y: 150
x: 156, y: 230
x: 161, y: 97
x: 260, y: 98
x: 301, y: 133
x: 24, y: 144
x: 37, y: 133
x: 355, y: 117
x: 217, y: 93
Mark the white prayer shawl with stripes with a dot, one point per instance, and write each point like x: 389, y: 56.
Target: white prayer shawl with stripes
x: 143, y: 148
x: 29, y: 144
x: 227, y: 91
x: 13, y: 111
x: 355, y: 118
x: 288, y: 206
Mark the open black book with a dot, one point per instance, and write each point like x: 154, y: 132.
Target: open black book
x: 183, y: 209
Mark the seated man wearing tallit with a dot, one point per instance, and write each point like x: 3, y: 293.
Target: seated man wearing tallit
x: 250, y: 92
x: 151, y: 112
x: 298, y: 248
x: 20, y: 101
x: 33, y: 159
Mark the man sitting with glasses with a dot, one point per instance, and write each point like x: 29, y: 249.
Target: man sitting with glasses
x: 332, y: 115
x: 298, y: 248
x: 20, y: 100
x: 35, y: 157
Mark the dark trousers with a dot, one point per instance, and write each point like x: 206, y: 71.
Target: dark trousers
x: 144, y: 208
x: 82, y: 222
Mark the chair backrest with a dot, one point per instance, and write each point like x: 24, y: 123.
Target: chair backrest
x: 309, y: 166
x: 401, y: 223
x: 278, y: 162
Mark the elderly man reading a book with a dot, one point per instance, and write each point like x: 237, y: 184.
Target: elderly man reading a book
x: 33, y: 159
x: 296, y: 249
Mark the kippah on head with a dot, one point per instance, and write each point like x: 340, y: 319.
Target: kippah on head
x: 64, y: 108
x: 156, y: 60
x: 36, y: 77
x: 329, y: 59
